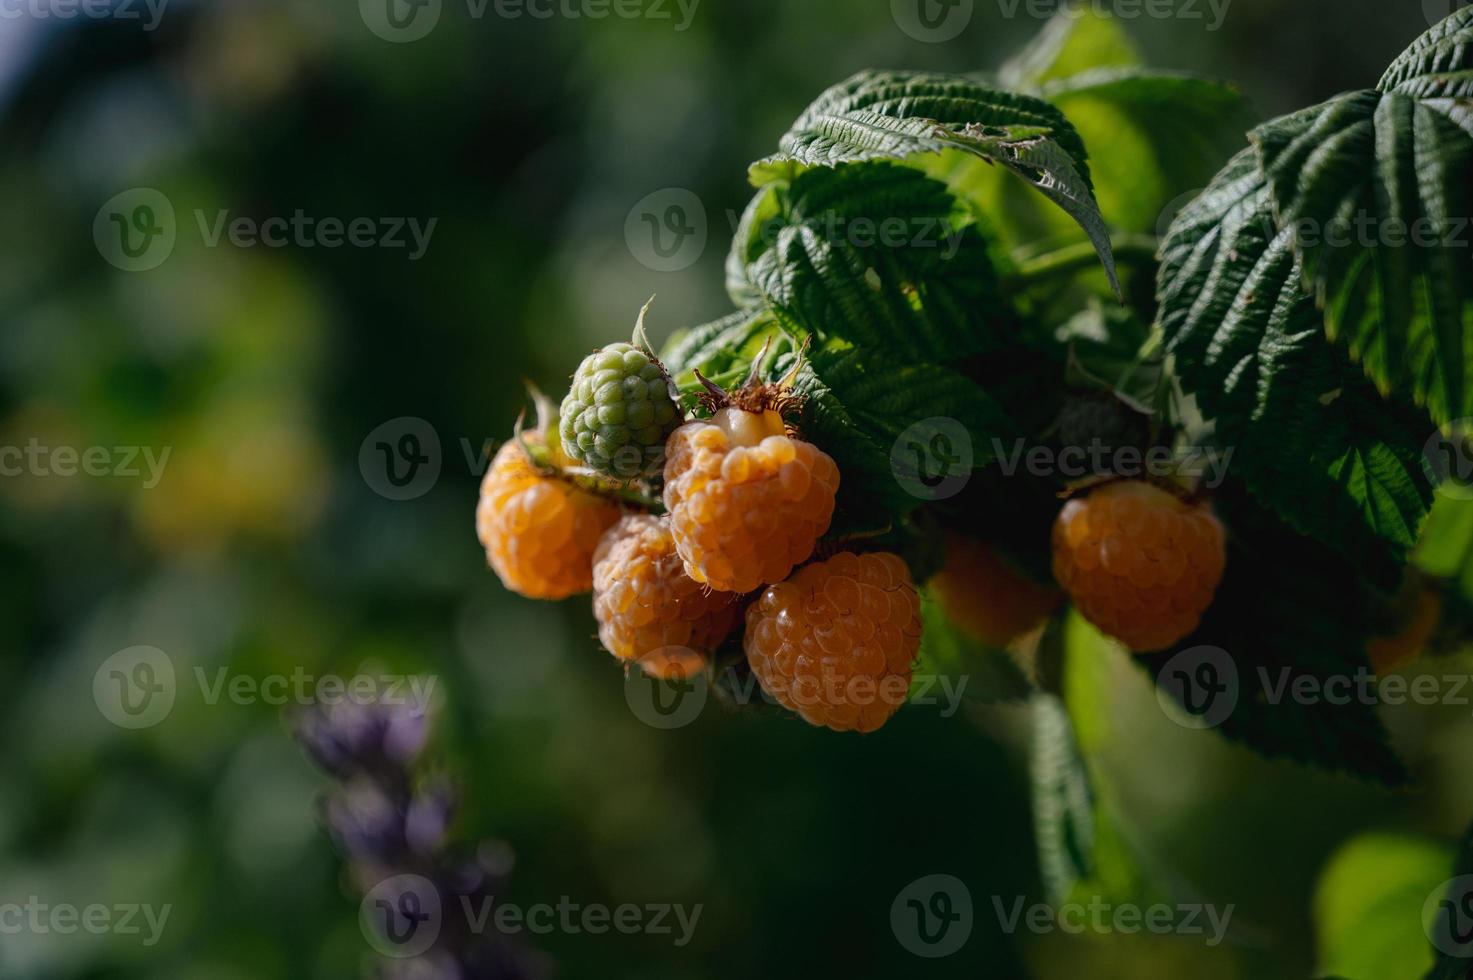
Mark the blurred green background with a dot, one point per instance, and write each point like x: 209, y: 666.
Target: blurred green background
x: 264, y: 549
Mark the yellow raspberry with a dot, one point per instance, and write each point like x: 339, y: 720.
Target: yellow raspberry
x: 988, y: 598
x: 648, y: 610
x: 539, y: 531
x: 1389, y: 653
x: 747, y: 502
x: 835, y: 643
x: 1139, y: 563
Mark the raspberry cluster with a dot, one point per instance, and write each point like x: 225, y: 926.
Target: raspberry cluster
x: 676, y: 525
x: 726, y: 547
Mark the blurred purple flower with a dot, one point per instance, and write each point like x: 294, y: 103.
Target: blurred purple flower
x: 428, y: 819
x: 350, y: 737
x: 390, y: 823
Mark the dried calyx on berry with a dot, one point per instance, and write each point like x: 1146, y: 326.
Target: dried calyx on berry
x: 748, y: 497
x: 756, y: 409
x: 620, y: 410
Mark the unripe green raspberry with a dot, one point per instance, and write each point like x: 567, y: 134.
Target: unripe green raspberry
x: 618, y: 414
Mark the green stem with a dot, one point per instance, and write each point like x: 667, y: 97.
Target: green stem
x: 629, y: 495
x: 1128, y: 249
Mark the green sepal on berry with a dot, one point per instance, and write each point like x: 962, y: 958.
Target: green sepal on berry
x: 620, y: 410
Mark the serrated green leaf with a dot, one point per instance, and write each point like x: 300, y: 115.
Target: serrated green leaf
x: 1368, y: 906
x: 1309, y: 436
x: 715, y: 347
x: 858, y: 402
x: 873, y: 254
x: 1153, y: 136
x: 902, y: 115
x: 894, y: 114
x: 1063, y: 804
x: 1377, y: 187
x: 1436, y: 66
